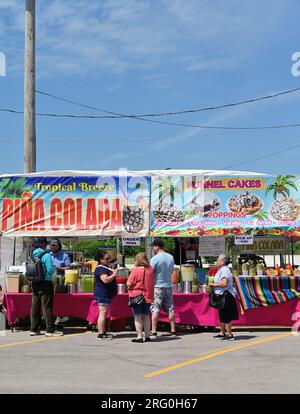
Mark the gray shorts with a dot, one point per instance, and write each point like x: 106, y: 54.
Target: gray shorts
x: 163, y: 299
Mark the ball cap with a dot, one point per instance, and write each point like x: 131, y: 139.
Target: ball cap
x: 55, y: 242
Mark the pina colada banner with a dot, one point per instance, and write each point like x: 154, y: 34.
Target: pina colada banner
x: 74, y: 206
x: 195, y: 205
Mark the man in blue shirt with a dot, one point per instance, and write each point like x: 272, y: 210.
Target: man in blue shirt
x: 163, y: 265
x: 60, y: 259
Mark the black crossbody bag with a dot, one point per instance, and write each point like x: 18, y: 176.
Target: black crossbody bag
x: 137, y: 300
x: 217, y: 301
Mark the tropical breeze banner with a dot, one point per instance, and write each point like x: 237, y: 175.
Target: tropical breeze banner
x: 219, y: 205
x: 75, y: 206
x: 176, y: 203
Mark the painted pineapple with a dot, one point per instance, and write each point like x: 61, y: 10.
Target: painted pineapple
x: 133, y: 219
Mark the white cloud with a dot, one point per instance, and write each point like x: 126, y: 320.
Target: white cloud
x: 91, y: 36
x: 8, y: 4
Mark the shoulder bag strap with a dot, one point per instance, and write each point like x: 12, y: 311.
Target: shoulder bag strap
x: 39, y: 257
x: 105, y: 267
x: 144, y: 280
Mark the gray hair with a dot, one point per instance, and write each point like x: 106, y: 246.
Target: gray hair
x: 226, y: 259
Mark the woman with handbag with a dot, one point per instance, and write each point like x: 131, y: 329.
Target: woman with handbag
x: 141, y: 294
x: 222, y: 297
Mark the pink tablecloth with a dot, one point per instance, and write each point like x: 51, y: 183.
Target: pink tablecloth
x: 190, y: 309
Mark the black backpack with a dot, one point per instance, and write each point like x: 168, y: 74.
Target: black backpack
x: 34, y: 268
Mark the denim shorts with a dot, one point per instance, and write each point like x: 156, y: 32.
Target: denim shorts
x: 142, y: 309
x: 103, y: 301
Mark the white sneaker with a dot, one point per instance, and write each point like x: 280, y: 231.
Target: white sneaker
x: 105, y: 335
x: 60, y: 320
x: 38, y: 333
x: 54, y: 334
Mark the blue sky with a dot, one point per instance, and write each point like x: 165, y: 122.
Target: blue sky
x: 141, y: 56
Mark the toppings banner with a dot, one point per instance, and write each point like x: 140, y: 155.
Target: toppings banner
x: 75, y: 206
x: 203, y: 205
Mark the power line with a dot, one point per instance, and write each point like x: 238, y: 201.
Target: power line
x: 186, y: 111
x: 137, y: 140
x: 264, y: 127
x: 151, y: 139
x: 114, y: 115
x: 261, y: 158
x: 11, y: 111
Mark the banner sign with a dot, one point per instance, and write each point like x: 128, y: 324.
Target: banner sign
x: 119, y: 205
x: 243, y: 240
x: 265, y: 245
x: 75, y: 206
x: 201, y: 205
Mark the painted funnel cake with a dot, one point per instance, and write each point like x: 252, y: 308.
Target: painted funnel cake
x: 246, y: 202
x: 285, y: 209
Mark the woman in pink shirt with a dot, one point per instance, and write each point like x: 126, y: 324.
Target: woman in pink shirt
x: 141, y: 282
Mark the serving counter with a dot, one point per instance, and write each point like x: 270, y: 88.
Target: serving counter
x: 190, y: 309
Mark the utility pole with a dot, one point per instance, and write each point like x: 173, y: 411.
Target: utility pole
x: 29, y: 89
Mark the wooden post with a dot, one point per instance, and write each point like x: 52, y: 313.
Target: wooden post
x: 29, y: 90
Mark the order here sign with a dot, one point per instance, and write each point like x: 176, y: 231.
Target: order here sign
x: 131, y: 241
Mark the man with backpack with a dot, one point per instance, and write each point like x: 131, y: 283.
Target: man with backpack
x: 41, y: 271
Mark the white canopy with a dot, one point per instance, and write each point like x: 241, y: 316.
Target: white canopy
x: 124, y: 172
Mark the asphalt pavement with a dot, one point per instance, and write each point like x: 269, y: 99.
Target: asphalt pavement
x: 259, y: 361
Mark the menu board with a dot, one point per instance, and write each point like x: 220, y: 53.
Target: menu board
x: 211, y: 246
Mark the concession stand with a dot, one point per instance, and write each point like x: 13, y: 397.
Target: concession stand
x: 194, y: 204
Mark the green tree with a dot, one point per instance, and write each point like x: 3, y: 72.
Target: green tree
x: 89, y: 247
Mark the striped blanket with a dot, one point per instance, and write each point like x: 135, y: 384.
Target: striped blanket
x: 257, y: 291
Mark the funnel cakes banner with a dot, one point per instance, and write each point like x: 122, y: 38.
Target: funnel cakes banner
x: 202, y: 205
x: 75, y: 206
